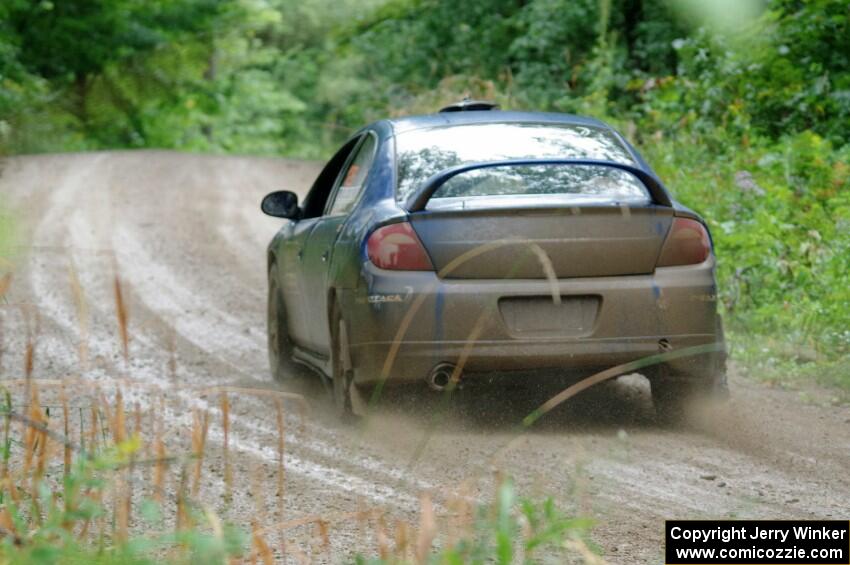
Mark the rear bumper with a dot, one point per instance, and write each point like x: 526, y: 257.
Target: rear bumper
x: 402, y: 324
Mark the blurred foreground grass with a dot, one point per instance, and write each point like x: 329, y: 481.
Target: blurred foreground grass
x: 104, y: 488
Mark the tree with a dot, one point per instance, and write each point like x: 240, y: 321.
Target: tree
x: 71, y: 42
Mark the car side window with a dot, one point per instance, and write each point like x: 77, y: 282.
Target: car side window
x: 350, y: 183
x: 314, y: 204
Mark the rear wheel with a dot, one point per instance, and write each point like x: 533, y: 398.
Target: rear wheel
x: 672, y: 398
x: 675, y: 392
x: 280, y: 346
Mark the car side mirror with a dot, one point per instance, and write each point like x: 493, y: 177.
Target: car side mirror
x: 281, y: 204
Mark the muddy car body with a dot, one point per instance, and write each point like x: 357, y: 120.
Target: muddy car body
x: 502, y: 241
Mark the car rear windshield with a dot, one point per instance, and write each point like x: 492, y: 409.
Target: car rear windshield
x: 522, y: 185
x: 424, y: 152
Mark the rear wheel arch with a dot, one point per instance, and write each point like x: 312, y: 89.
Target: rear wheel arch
x: 279, y: 345
x: 341, y: 366
x: 673, y: 392
x: 333, y: 311
x: 271, y: 260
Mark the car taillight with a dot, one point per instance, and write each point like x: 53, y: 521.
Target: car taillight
x: 686, y: 244
x: 397, y: 247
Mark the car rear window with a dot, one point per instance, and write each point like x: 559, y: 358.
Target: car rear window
x: 424, y: 152
x: 516, y: 185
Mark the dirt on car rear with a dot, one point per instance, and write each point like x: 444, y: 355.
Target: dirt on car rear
x: 184, y: 235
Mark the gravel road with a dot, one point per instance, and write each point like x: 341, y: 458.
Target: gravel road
x: 185, y: 235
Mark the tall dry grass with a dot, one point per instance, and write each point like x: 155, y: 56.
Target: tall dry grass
x: 41, y: 464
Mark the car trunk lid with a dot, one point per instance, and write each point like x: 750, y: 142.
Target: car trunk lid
x: 532, y: 243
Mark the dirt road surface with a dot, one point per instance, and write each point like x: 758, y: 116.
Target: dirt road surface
x: 186, y: 236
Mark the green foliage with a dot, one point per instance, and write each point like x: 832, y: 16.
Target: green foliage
x: 779, y: 213
x: 774, y: 80
x: 19, y: 89
x: 284, y: 76
x: 749, y: 132
x: 45, y: 530
x: 211, y: 75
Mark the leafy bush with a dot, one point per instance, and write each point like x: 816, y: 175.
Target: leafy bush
x: 779, y: 215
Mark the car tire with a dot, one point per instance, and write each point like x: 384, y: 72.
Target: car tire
x: 674, y: 399
x: 281, y: 362
x: 671, y: 399
x: 342, y: 377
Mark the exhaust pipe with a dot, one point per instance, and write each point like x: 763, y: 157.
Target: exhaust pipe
x: 440, y: 376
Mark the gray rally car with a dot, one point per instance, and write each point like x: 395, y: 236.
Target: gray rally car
x: 500, y: 241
